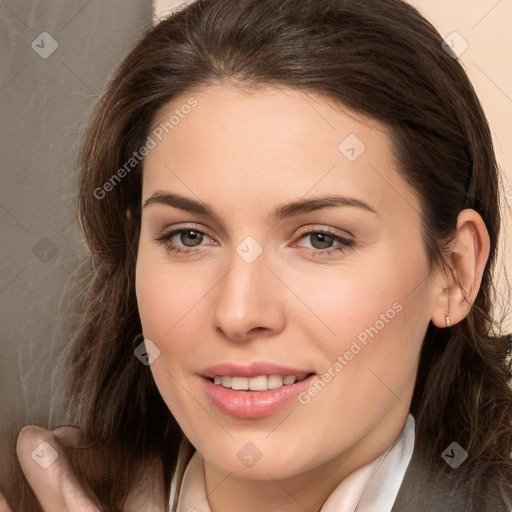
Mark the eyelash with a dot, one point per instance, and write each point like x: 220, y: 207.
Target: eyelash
x: 344, y: 243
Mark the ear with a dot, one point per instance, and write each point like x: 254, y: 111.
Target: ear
x: 468, y: 254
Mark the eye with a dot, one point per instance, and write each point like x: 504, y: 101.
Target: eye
x: 188, y: 240
x: 182, y: 240
x: 322, y: 241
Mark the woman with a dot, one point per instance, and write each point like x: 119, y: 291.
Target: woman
x: 295, y: 205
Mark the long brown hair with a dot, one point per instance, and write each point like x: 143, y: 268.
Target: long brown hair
x: 380, y: 58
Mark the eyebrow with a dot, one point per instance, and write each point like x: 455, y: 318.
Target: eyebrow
x: 281, y: 212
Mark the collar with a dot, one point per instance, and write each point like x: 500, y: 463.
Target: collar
x: 372, y: 487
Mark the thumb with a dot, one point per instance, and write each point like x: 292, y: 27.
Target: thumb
x: 47, y: 470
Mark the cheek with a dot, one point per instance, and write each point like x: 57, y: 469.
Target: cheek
x: 375, y: 319
x: 370, y: 357
x: 166, y: 296
x: 384, y: 301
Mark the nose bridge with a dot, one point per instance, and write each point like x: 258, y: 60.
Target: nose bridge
x: 248, y: 295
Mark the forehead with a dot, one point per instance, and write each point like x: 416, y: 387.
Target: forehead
x: 271, y: 142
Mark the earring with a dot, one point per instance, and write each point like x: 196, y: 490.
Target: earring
x: 447, y: 318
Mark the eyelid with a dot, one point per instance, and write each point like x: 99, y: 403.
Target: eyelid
x: 312, y: 228
x: 185, y: 227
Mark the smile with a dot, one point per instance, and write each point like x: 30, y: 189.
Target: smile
x: 259, y: 383
x: 255, y: 397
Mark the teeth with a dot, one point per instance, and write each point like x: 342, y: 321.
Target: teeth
x: 239, y: 383
x: 274, y: 381
x: 260, y: 383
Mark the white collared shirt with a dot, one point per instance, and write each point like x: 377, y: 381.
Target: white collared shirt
x: 370, y: 488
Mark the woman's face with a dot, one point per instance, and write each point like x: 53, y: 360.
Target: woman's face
x: 279, y: 244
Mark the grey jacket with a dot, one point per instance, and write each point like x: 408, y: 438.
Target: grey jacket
x: 439, y: 488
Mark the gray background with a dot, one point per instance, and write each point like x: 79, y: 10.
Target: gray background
x: 44, y: 107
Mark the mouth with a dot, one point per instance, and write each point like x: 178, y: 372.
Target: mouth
x: 254, y: 391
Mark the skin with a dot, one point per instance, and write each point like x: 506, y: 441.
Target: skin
x: 245, y: 153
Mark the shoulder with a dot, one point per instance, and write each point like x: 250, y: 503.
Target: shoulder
x: 436, y: 486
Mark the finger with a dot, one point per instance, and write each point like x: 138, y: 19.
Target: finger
x: 46, y: 469
x: 4, y: 506
x: 68, y: 435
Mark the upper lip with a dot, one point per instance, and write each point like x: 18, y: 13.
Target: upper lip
x: 252, y: 370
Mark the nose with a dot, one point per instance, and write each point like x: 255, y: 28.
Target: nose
x: 249, y: 301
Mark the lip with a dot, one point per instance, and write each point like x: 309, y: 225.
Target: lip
x: 245, y: 404
x: 252, y: 370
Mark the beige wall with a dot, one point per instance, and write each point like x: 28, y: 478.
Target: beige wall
x: 485, y: 26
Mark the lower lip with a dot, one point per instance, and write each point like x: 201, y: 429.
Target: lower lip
x: 254, y: 404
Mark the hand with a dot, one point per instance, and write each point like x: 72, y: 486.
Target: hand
x: 47, y: 469
x: 49, y: 473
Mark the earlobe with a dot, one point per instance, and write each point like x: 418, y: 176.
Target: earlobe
x: 469, y: 252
